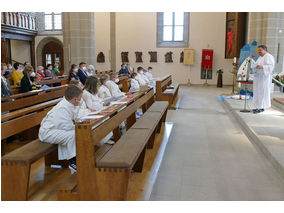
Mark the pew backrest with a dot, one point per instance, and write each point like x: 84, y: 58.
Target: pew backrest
x: 19, y: 101
x: 162, y: 83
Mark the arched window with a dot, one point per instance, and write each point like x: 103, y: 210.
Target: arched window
x: 172, y: 29
x: 52, y: 21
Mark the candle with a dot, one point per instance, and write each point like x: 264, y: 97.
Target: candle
x: 235, y: 59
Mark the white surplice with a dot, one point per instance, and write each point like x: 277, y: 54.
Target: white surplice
x: 262, y: 82
x: 104, y: 92
x: 114, y: 89
x: 92, y: 100
x: 134, y: 85
x: 57, y: 127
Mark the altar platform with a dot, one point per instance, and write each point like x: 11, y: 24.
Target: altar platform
x: 265, y: 130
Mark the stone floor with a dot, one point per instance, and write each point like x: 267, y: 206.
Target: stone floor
x: 208, y: 157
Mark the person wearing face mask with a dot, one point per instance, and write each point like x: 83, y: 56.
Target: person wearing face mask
x: 104, y: 92
x: 140, y: 77
x: 5, y: 84
x: 27, y: 80
x: 58, y: 126
x: 40, y: 72
x: 90, y: 94
x: 90, y: 70
x: 56, y: 69
x: 8, y: 72
x: 82, y: 72
x: 36, y: 84
x: 18, y: 74
x: 123, y: 70
x: 48, y: 72
x: 73, y: 73
x: 113, y: 87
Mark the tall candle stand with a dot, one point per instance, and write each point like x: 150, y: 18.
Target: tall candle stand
x: 234, y: 72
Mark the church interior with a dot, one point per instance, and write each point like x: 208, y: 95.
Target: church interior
x: 191, y: 132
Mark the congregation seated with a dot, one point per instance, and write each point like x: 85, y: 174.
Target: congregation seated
x: 5, y: 84
x: 124, y: 70
x: 130, y: 69
x: 49, y: 71
x: 104, y: 92
x: 27, y: 80
x: 82, y: 72
x: 58, y: 125
x: 113, y: 87
x: 18, y: 74
x: 73, y: 73
x: 40, y: 71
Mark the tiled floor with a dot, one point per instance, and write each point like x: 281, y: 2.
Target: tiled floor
x: 208, y: 157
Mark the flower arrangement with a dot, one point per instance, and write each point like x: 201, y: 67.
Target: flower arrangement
x: 280, y: 78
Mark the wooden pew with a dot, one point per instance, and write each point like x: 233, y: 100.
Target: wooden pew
x: 17, y: 164
x: 106, y: 177
x: 62, y: 80
x: 15, y: 168
x: 26, y: 111
x: 163, y: 93
x: 26, y: 99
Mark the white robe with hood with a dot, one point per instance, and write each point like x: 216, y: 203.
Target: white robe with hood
x: 262, y: 82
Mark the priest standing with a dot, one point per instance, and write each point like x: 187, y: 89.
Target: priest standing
x: 262, y: 80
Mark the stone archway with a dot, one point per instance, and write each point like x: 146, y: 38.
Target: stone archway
x: 41, y: 45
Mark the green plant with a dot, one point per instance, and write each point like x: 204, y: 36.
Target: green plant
x: 219, y: 71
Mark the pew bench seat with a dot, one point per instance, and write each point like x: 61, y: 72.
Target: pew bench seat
x: 16, y: 166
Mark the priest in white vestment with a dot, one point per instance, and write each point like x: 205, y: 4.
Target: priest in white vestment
x: 262, y: 80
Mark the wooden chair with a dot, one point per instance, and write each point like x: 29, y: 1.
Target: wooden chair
x: 166, y: 94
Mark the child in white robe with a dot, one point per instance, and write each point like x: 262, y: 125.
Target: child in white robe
x: 90, y: 94
x: 58, y: 126
x: 113, y: 87
x: 140, y: 77
x: 134, y: 85
x: 104, y: 92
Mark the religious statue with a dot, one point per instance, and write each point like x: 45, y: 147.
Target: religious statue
x: 181, y: 57
x: 153, y: 56
x: 138, y: 56
x: 124, y: 57
x: 168, y: 57
x: 101, y: 58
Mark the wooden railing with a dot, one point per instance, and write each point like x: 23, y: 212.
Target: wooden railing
x: 19, y: 20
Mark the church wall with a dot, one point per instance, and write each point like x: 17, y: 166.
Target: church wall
x: 38, y: 39
x: 137, y: 32
x: 20, y: 51
x: 102, y: 39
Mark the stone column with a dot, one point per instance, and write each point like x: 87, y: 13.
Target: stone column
x: 268, y: 28
x: 113, y: 41
x: 78, y: 39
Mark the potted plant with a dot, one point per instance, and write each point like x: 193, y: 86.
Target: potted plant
x: 219, y: 72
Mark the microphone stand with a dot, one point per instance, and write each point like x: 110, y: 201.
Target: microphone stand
x: 245, y: 110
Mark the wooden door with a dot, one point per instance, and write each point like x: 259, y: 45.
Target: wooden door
x: 52, y: 53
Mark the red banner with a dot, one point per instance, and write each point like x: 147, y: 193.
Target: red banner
x: 207, y: 59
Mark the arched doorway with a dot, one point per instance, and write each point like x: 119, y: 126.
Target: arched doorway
x: 52, y: 53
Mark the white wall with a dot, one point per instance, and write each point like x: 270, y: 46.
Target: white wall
x: 20, y: 51
x: 102, y: 39
x: 137, y: 32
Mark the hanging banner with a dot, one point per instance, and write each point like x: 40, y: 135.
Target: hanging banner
x: 206, y: 64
